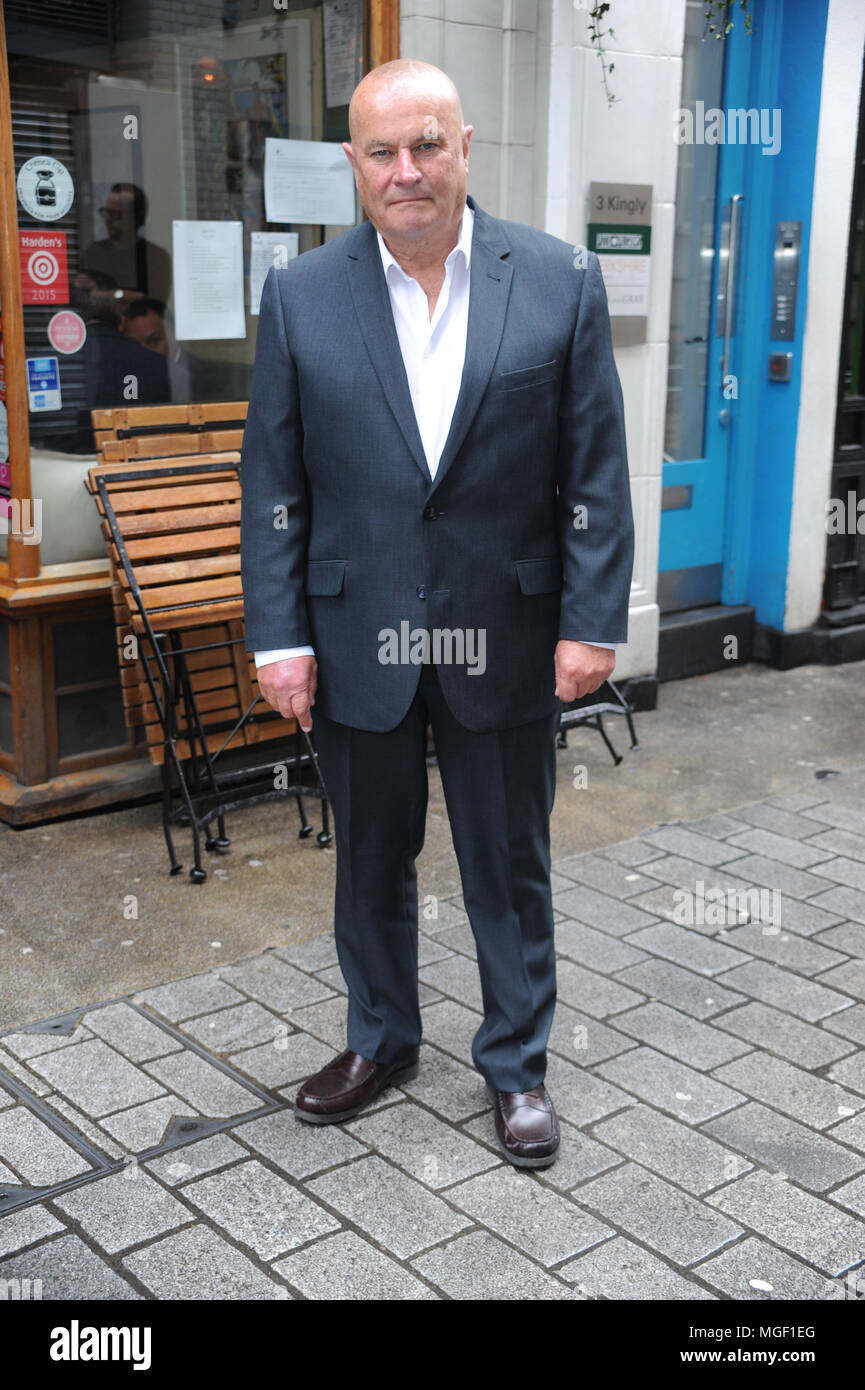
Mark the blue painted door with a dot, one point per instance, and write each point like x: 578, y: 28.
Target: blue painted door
x: 712, y: 226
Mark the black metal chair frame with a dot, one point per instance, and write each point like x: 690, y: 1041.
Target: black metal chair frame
x: 193, y: 793
x: 593, y: 715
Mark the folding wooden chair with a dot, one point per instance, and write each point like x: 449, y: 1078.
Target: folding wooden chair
x: 172, y: 531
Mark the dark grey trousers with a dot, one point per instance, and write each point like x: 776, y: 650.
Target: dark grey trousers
x: 499, y: 790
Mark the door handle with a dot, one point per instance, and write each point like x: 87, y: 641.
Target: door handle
x: 730, y: 284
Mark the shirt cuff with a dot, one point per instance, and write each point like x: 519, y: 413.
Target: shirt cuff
x: 611, y: 645
x: 280, y: 654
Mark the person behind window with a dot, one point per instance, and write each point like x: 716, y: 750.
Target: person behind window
x: 117, y: 370
x: 137, y: 265
x: 146, y: 321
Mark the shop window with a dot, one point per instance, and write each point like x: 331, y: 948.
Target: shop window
x: 165, y: 157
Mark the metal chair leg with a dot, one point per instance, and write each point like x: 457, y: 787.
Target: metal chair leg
x: 305, y: 825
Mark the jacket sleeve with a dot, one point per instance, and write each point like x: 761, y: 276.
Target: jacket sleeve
x: 274, y: 524
x: 596, y: 528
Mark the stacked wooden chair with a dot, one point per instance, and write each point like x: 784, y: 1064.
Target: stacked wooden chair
x: 167, y: 487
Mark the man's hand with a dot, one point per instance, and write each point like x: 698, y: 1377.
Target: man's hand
x: 581, y: 668
x: 290, y: 686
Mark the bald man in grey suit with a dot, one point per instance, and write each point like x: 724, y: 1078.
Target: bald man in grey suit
x: 436, y: 419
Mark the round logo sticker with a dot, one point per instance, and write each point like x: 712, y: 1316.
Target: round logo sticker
x: 45, y: 188
x: 67, y: 331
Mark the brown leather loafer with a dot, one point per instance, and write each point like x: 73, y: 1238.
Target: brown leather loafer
x: 347, y: 1084
x: 527, y: 1126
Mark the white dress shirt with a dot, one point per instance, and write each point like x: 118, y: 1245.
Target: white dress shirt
x: 433, y: 352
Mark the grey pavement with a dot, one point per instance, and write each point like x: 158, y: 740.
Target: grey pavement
x: 707, y: 1062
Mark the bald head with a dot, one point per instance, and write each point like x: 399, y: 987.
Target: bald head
x: 409, y: 153
x: 400, y: 78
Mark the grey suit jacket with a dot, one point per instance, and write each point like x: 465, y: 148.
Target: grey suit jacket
x: 524, y: 536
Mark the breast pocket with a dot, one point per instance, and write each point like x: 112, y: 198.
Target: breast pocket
x: 537, y: 375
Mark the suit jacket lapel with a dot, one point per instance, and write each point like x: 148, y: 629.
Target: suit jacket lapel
x: 372, y: 305
x: 489, y: 287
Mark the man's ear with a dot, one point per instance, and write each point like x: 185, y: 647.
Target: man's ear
x: 467, y: 139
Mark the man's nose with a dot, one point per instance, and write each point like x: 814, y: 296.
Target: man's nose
x: 406, y: 167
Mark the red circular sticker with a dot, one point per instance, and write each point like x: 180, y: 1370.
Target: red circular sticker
x: 67, y: 331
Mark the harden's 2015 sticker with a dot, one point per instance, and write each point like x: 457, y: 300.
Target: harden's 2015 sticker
x: 45, y: 188
x: 44, y: 275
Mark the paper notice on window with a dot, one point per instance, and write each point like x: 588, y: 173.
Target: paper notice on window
x: 343, y: 49
x: 267, y: 249
x: 208, y: 280
x: 308, y: 181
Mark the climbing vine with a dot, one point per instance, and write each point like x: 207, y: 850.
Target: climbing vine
x: 719, y: 23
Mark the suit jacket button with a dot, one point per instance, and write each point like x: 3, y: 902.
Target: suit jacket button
x: 421, y: 593
x: 430, y: 513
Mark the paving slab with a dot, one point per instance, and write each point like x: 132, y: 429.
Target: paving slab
x: 775, y: 1031
x: 96, y: 1078
x: 810, y: 1000
x: 539, y: 1222
x: 670, y: 1085
x: 196, y: 1263
x: 757, y: 1272
x: 672, y: 984
x: 348, y: 1268
x: 424, y: 1146
x: 125, y: 1029
x: 19, y: 1229
x: 781, y: 1144
x: 203, y: 1085
x: 259, y: 1209
x: 143, y: 1126
x: 38, y: 1155
x: 388, y: 1206
x: 658, y: 1214
x: 583, y: 1039
x: 286, y: 1058
x: 454, y: 1090
x: 297, y: 1148
x: 274, y: 982
x: 478, y: 1266
x: 197, y: 994
x: 808, y: 1098
x: 619, y: 1269
x: 685, y: 1156
x: 238, y: 1026
x: 68, y: 1271
x: 123, y: 1209
x: 674, y: 1033
x: 815, y: 1230
x: 192, y: 1160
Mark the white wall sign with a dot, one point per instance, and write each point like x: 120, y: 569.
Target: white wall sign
x: 620, y: 233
